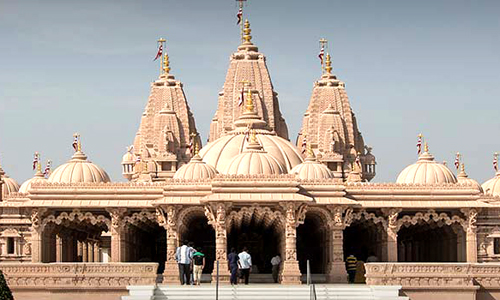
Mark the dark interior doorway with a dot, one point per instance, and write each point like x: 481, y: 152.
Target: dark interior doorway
x: 202, y: 235
x: 311, y: 245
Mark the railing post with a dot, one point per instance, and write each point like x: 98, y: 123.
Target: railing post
x: 217, y: 283
x: 308, y: 277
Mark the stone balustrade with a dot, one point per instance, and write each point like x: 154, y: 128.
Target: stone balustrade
x: 438, y: 280
x: 47, y: 276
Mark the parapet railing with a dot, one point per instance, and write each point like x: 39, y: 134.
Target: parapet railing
x: 78, y: 275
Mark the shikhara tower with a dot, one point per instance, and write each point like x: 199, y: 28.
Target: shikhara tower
x: 248, y: 186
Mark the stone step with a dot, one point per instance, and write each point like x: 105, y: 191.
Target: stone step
x: 264, y: 292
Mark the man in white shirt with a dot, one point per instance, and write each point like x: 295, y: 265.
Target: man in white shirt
x: 183, y: 256
x: 245, y: 264
x: 276, y: 261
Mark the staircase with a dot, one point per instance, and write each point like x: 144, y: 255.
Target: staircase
x: 265, y: 292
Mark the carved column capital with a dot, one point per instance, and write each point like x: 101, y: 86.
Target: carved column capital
x: 392, y: 220
x: 117, y: 215
x: 341, y: 216
x: 470, y: 225
x: 37, y: 218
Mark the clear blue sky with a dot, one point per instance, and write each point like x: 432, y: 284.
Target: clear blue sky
x: 409, y: 67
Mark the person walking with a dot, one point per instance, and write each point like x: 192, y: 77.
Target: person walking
x: 245, y: 263
x: 232, y: 260
x: 275, y: 262
x: 351, y: 264
x: 198, y: 265
x: 183, y: 256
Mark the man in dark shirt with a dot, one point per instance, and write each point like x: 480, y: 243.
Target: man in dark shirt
x: 232, y: 260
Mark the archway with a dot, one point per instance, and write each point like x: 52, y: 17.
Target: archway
x: 194, y: 228
x: 312, y: 244
x: 431, y: 242
x: 259, y: 230
x: 363, y: 238
x: 145, y: 239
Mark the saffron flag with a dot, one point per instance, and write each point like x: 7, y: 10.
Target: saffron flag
x: 35, y: 160
x: 160, y: 51
x: 75, y: 143
x: 321, y: 54
x: 239, y: 15
x: 419, y: 145
x: 242, y: 95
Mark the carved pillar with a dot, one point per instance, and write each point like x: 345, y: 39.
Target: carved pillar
x: 392, y: 234
x: 85, y: 251
x: 471, y: 234
x: 117, y: 234
x: 216, y: 215
x: 167, y: 218
x: 36, y: 234
x: 336, y: 271
x: 294, y: 216
x: 59, y: 248
x: 90, y: 244
x: 97, y: 254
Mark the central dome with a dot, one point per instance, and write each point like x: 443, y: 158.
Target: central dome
x: 253, y: 161
x: 222, y: 151
x: 426, y: 171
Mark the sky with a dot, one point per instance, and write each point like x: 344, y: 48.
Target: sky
x: 410, y: 67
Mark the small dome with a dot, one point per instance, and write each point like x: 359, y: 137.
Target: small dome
x: 10, y: 185
x: 79, y: 169
x: 311, y: 169
x: 426, y: 171
x: 128, y: 158
x: 39, y: 177
x: 195, y: 169
x: 253, y: 161
x: 492, y: 186
x: 463, y: 178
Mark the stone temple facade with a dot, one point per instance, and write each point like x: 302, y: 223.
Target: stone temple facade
x: 249, y: 186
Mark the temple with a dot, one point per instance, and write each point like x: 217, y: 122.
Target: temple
x: 308, y: 200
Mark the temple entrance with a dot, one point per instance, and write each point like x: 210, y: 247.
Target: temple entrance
x: 365, y: 238
x: 145, y: 240
x: 312, y: 244
x: 431, y: 242
x: 195, y: 229
x: 257, y: 230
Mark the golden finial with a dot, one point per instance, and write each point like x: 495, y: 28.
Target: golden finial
x: 246, y: 32
x: 310, y: 151
x: 166, y: 64
x: 462, y: 167
x: 328, y: 63
x: 426, y: 147
x: 249, y: 104
x: 196, y: 148
x: 254, y: 137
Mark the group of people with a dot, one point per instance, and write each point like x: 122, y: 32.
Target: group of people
x: 356, y: 268
x: 240, y: 265
x: 191, y: 262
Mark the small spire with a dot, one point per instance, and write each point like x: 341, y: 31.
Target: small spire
x: 254, y: 137
x: 196, y: 148
x: 246, y: 33
x: 426, y: 147
x: 79, y: 144
x: 328, y: 67
x: 310, y: 152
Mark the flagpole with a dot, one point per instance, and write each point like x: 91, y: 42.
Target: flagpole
x: 322, y: 43
x: 161, y: 42
x: 240, y: 2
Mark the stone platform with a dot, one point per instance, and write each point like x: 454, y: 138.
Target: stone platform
x: 265, y: 292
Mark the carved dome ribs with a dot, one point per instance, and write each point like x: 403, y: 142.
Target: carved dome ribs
x: 426, y: 171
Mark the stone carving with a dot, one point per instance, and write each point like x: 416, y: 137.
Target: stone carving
x: 36, y: 217
x: 341, y: 216
x: 116, y: 218
x: 429, y: 217
x: 171, y: 223
x: 291, y: 254
x: 77, y: 215
x: 471, y: 214
x: 160, y: 217
x: 79, y: 275
x: 27, y: 249
x: 217, y: 219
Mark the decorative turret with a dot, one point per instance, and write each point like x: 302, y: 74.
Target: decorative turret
x: 330, y: 126
x: 7, y: 185
x: 165, y: 137
x: 39, y: 176
x: 463, y: 178
x: 247, y: 75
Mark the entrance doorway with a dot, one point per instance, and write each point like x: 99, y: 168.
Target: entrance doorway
x: 364, y: 238
x: 197, y: 231
x: 312, y: 245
